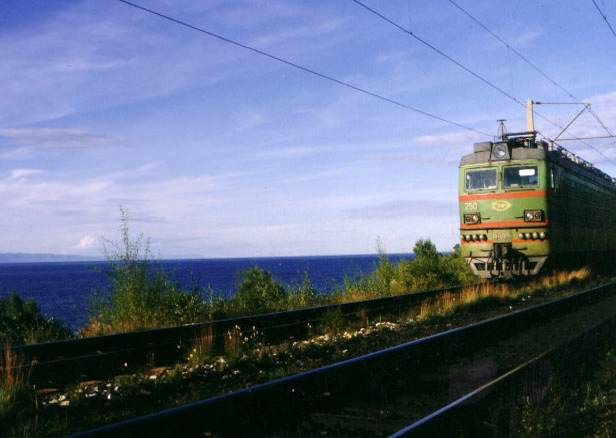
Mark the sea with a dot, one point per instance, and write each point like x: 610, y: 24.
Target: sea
x: 63, y: 290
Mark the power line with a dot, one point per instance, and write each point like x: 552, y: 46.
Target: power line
x: 440, y: 52
x: 302, y: 68
x: 527, y: 61
x: 604, y: 17
x: 465, y: 12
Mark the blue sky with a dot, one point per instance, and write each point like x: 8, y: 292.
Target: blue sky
x: 217, y: 151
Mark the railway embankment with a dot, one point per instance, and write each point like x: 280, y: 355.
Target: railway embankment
x: 248, y: 361
x: 395, y: 384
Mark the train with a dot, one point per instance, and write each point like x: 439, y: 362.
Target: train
x: 527, y: 203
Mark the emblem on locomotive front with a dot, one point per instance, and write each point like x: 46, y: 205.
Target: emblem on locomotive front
x: 501, y: 205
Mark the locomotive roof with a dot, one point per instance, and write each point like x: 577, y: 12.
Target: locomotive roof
x: 524, y: 147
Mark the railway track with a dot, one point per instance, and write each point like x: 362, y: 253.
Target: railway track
x: 492, y: 408
x: 98, y: 357
x: 389, y: 392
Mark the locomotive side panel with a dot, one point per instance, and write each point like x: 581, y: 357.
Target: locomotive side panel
x: 583, y: 211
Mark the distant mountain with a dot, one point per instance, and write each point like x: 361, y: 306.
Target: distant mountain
x: 18, y: 257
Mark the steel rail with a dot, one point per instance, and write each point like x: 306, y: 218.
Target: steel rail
x: 447, y: 421
x: 103, y: 355
x: 255, y: 410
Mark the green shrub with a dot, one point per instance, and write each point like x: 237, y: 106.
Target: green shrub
x: 454, y: 268
x: 22, y: 323
x: 258, y: 292
x: 427, y: 270
x: 375, y: 284
x: 332, y: 321
x: 384, y: 274
x: 302, y: 295
x: 425, y: 249
x: 140, y: 297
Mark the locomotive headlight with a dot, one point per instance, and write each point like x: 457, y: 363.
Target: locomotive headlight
x: 527, y: 236
x: 472, y: 218
x: 542, y: 235
x: 535, y: 236
x: 533, y: 215
x: 484, y: 237
x: 521, y: 235
x: 500, y: 150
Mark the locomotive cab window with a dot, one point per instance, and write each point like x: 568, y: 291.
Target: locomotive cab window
x: 520, y: 176
x: 481, y: 179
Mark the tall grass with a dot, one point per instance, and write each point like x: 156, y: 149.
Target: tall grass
x: 203, y: 347
x: 483, y: 295
x: 15, y: 394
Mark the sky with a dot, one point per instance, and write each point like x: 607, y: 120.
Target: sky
x: 341, y: 130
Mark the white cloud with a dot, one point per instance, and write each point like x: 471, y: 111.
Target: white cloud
x: 94, y: 56
x: 248, y: 121
x: 87, y: 242
x: 22, y: 173
x: 458, y: 139
x: 292, y: 152
x: 296, y: 32
x: 57, y: 138
x: 138, y: 172
x: 420, y: 208
x: 528, y: 36
x: 22, y: 153
x: 445, y: 157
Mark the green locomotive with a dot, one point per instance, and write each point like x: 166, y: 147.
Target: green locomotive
x: 525, y: 202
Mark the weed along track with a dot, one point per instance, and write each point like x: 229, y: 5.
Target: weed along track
x: 102, y: 356
x: 384, y: 392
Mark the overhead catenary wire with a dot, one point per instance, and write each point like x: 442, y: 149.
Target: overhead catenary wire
x: 604, y: 17
x: 586, y: 108
x: 577, y: 100
x: 440, y: 52
x: 302, y: 68
x: 530, y: 63
x: 476, y: 75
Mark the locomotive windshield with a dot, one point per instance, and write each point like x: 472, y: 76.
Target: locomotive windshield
x: 481, y: 179
x: 520, y: 176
